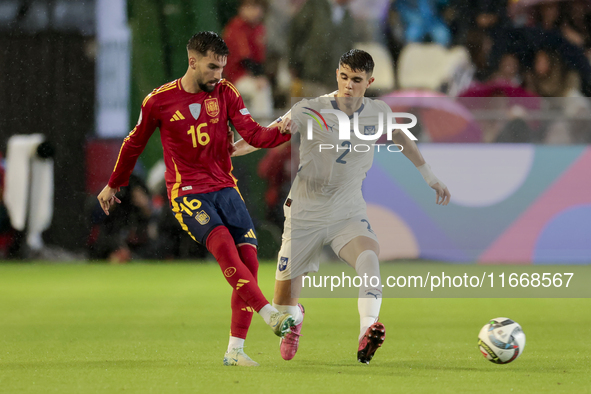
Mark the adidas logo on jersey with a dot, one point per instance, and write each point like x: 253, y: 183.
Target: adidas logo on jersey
x: 177, y: 116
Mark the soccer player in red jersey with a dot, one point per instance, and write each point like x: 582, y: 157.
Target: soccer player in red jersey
x: 192, y: 114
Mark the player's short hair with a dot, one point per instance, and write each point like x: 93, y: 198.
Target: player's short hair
x: 208, y: 41
x: 358, y: 60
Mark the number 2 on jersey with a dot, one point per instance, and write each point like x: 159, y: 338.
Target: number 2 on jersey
x: 368, y: 226
x: 198, y: 136
x: 340, y: 159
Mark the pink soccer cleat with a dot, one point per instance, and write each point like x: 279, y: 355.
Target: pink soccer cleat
x: 370, y: 342
x: 289, y: 343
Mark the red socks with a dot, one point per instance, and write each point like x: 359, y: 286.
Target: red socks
x: 240, y: 267
x: 241, y: 311
x: 248, y: 255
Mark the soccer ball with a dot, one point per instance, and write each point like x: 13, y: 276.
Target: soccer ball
x: 501, y: 340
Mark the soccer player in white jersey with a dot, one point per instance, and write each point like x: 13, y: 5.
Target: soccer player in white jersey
x: 325, y: 205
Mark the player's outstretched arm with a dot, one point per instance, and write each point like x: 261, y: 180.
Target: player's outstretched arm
x: 107, y: 198
x: 411, y: 151
x: 241, y: 147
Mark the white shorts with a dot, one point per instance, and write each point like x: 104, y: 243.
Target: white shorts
x: 301, y: 247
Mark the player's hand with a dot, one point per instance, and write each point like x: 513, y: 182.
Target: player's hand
x: 107, y: 198
x: 285, y: 126
x: 442, y: 194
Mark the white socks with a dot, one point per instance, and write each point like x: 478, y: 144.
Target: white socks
x: 266, y: 312
x: 370, y: 296
x: 293, y: 310
x: 235, y: 342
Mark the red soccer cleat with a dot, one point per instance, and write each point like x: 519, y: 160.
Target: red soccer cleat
x: 289, y: 343
x: 370, y: 342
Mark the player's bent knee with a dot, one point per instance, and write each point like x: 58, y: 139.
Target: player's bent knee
x: 367, y: 262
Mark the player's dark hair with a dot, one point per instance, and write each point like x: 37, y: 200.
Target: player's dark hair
x: 358, y: 60
x: 208, y: 41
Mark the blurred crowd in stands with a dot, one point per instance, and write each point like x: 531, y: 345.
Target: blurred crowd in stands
x: 460, y: 48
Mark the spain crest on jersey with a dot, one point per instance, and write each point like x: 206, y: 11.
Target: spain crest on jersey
x: 211, y: 107
x: 195, y: 110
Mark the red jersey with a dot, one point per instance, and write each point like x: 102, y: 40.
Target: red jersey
x: 194, y: 135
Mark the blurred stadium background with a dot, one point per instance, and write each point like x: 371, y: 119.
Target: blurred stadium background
x: 501, y: 89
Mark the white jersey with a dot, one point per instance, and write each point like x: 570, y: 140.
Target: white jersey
x: 327, y: 187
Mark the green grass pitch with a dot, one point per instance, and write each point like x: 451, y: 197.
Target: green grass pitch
x: 163, y: 328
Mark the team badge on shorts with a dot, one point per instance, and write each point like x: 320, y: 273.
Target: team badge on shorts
x: 282, y: 263
x: 202, y: 218
x: 211, y: 107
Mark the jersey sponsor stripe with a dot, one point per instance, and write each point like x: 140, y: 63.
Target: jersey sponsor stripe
x: 119, y: 155
x: 169, y: 84
x: 161, y: 89
x: 174, y: 193
x: 240, y: 194
x: 147, y: 98
x: 229, y: 84
x: 123, y: 144
x: 235, y: 182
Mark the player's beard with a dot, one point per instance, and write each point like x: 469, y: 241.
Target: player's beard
x: 207, y: 88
